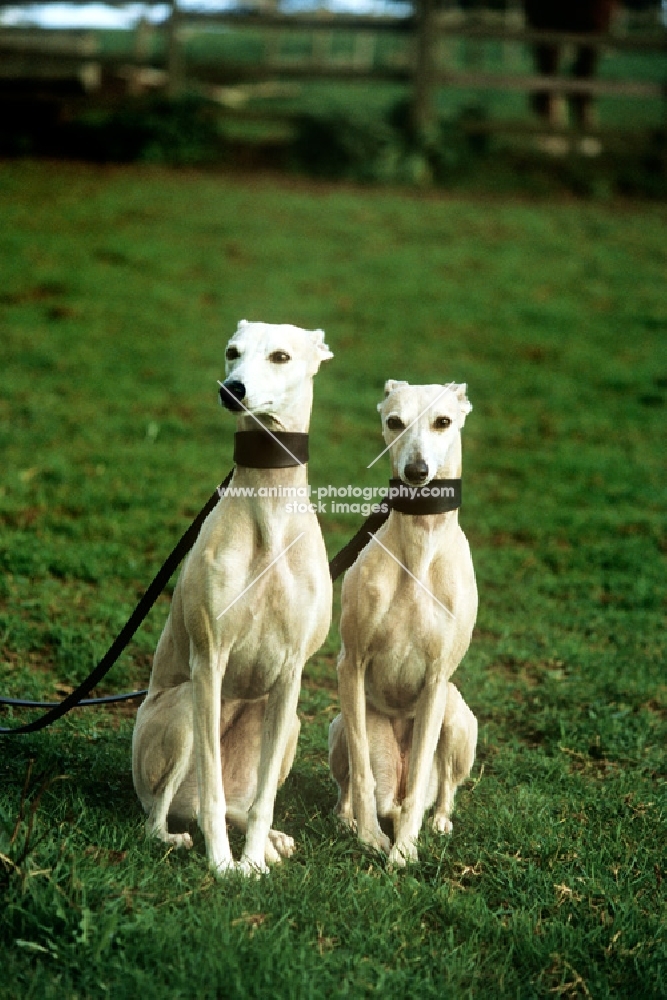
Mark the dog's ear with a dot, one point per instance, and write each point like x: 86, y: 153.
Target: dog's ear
x: 465, y: 406
x: 323, y: 352
x: 242, y: 324
x: 392, y: 384
x: 389, y: 387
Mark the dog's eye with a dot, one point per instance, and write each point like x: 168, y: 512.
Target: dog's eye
x: 232, y: 354
x: 279, y: 357
x: 395, y: 424
x: 442, y: 422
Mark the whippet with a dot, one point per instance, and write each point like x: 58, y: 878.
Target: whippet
x: 217, y: 733
x: 405, y: 738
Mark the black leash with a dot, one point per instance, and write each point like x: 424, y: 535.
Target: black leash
x: 146, y: 602
x: 406, y: 500
x: 342, y: 561
x: 108, y: 699
x: 347, y: 555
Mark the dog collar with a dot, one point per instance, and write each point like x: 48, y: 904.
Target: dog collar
x: 275, y: 450
x: 436, y: 497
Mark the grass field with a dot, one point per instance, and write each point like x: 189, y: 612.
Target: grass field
x: 118, y: 289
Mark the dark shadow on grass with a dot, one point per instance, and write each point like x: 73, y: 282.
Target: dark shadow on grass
x: 98, y: 768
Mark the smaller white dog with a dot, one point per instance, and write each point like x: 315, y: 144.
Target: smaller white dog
x: 405, y: 738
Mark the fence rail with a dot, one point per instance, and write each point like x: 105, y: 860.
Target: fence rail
x: 444, y: 24
x: 40, y: 55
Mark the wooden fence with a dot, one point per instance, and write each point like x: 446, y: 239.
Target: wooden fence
x: 422, y: 60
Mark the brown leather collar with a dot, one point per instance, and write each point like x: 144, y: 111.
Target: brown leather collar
x: 436, y: 497
x: 270, y: 450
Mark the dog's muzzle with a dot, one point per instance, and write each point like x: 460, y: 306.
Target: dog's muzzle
x: 231, y: 394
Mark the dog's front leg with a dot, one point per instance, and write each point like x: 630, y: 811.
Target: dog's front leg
x: 206, y: 693
x: 277, y: 729
x: 427, y: 728
x: 362, y: 782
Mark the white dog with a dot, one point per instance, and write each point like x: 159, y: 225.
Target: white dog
x: 405, y: 738
x: 217, y: 733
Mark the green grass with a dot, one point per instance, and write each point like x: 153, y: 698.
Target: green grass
x: 118, y: 290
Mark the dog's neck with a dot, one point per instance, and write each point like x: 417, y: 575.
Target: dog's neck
x: 291, y: 476
x: 419, y: 536
x: 415, y: 540
x: 294, y: 476
x: 271, y: 501
x: 264, y: 449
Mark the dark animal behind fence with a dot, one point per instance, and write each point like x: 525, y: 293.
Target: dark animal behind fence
x: 579, y: 17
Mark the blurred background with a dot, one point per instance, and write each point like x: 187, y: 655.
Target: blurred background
x: 503, y: 92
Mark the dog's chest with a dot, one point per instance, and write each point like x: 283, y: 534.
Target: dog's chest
x: 259, y: 656
x: 248, y: 681
x: 395, y: 678
x: 406, y: 642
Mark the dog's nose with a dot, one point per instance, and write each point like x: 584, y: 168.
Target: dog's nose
x: 230, y: 395
x: 416, y: 472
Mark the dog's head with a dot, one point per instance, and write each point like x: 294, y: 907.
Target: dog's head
x: 268, y: 368
x: 422, y: 425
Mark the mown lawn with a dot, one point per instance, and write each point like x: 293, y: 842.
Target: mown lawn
x: 118, y: 289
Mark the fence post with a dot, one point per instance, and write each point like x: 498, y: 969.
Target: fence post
x: 175, y: 67
x: 423, y: 110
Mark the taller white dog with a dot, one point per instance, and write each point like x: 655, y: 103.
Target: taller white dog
x: 406, y: 738
x: 217, y: 732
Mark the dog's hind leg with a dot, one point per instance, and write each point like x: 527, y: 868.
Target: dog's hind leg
x: 389, y: 759
x: 282, y: 843
x: 162, y: 761
x: 454, y: 757
x: 156, y: 824
x: 339, y: 764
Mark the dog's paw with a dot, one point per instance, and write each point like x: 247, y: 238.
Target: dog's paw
x: 346, y: 819
x: 281, y: 844
x: 271, y: 856
x: 403, y: 854
x: 250, y: 868
x: 222, y: 867
x: 441, y: 824
x: 376, y: 839
x: 173, y: 839
x: 180, y: 840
